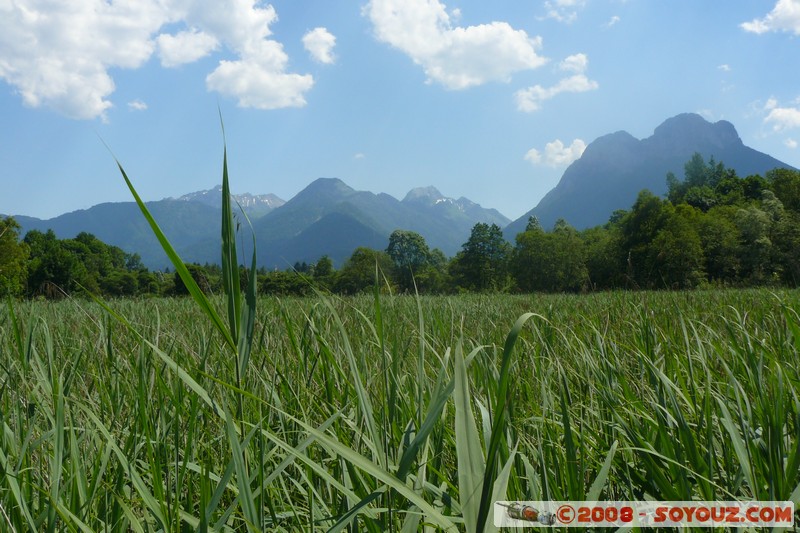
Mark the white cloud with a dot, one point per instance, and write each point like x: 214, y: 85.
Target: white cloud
x: 724, y: 68
x: 137, y: 105
x: 530, y: 99
x: 454, y: 56
x: 780, y: 117
x: 563, y: 10
x: 60, y: 54
x: 359, y: 156
x: 259, y: 84
x: 771, y: 104
x: 556, y: 154
x: 612, y: 21
x: 575, y: 63
x: 790, y: 143
x: 319, y: 42
x: 185, y: 47
x: 785, y: 16
x: 258, y: 78
x: 534, y: 156
x: 783, y: 118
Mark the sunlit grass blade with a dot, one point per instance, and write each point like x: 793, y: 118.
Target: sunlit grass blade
x: 169, y: 361
x: 469, y: 452
x: 433, y: 416
x: 230, y: 262
x: 352, y: 514
x: 141, y: 487
x: 600, y: 481
x: 364, y: 464
x: 364, y: 402
x: 17, y: 492
x: 572, y: 467
x: 795, y: 496
x: 16, y: 330
x: 57, y: 459
x: 246, y: 499
x: 501, y: 417
x: 739, y: 445
x: 70, y: 518
x: 248, y: 318
x: 500, y: 487
x: 191, y: 285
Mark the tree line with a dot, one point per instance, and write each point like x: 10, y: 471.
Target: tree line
x: 713, y: 228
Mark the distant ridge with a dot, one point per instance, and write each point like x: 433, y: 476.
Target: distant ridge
x: 328, y: 217
x: 295, y: 229
x: 122, y: 224
x: 615, y: 167
x: 254, y: 205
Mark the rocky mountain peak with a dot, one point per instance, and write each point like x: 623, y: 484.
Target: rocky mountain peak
x: 690, y: 131
x: 615, y: 167
x: 213, y: 196
x: 427, y: 195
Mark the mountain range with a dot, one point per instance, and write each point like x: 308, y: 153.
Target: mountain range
x: 326, y: 218
x: 615, y: 167
x: 255, y: 205
x: 330, y: 218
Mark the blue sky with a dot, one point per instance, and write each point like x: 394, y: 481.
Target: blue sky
x: 488, y: 100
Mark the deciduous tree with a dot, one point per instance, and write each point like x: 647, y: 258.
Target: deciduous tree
x: 482, y: 263
x: 553, y: 262
x: 360, y: 270
x: 410, y: 253
x: 13, y: 259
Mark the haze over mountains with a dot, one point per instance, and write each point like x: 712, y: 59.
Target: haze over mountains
x: 326, y: 218
x: 330, y: 218
x: 254, y: 205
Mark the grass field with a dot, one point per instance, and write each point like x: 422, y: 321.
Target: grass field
x: 392, y: 412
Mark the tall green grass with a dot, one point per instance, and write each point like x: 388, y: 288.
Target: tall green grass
x: 386, y: 413
x: 626, y: 396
